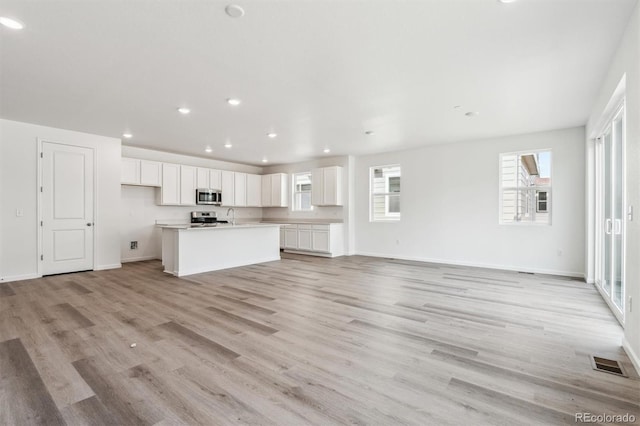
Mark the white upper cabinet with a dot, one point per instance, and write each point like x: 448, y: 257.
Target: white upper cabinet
x: 240, y: 189
x: 275, y: 190
x: 227, y: 187
x: 188, y: 180
x: 326, y: 186
x: 215, y: 179
x: 170, y: 190
x: 209, y: 178
x: 202, y: 179
x: 150, y: 173
x: 254, y: 191
x: 266, y: 190
x: 140, y: 172
x: 130, y: 171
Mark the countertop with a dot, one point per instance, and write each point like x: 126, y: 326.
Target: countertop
x: 295, y: 221
x: 188, y: 227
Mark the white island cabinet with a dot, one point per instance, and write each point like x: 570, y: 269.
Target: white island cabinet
x: 187, y: 251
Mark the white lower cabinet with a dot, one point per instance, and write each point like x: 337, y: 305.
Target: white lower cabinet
x: 291, y: 237
x: 320, y: 241
x: 304, y: 238
x: 315, y: 239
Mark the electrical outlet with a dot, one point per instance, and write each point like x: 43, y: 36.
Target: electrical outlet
x: 133, y: 245
x: 19, y: 213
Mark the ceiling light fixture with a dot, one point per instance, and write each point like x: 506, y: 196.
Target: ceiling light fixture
x: 264, y: 160
x: 127, y: 135
x: 472, y: 113
x: 184, y: 110
x: 326, y: 150
x: 507, y: 1
x: 11, y: 23
x: 228, y: 145
x: 233, y: 101
x: 208, y: 149
x: 234, y: 11
x: 272, y: 135
x: 369, y: 132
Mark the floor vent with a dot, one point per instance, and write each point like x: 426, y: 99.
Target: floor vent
x: 607, y: 366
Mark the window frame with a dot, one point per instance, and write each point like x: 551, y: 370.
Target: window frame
x: 534, y: 189
x: 389, y: 216
x: 294, y: 192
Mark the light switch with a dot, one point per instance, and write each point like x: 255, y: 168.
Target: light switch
x: 19, y: 212
x: 630, y: 213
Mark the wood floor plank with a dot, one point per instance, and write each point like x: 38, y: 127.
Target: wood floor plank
x: 24, y: 397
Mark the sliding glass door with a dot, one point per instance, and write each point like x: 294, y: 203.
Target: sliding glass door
x: 610, y: 214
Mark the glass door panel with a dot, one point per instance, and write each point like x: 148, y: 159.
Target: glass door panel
x: 608, y: 213
x: 618, y: 219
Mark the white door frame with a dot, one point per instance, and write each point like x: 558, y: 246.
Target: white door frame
x: 40, y: 142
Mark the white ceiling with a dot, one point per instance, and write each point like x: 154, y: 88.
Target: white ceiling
x: 317, y: 72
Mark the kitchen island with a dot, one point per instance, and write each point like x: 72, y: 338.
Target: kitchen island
x: 190, y: 250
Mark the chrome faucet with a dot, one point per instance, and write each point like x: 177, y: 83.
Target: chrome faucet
x: 233, y: 217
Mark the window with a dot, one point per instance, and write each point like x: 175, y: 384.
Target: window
x: 302, y: 192
x: 385, y: 193
x: 525, y: 187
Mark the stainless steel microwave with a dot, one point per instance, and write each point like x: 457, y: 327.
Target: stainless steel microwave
x: 208, y: 196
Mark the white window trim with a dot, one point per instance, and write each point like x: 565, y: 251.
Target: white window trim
x: 294, y: 192
x: 501, y: 189
x: 390, y: 217
x: 386, y: 198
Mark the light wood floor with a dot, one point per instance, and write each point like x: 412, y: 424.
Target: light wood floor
x: 306, y: 340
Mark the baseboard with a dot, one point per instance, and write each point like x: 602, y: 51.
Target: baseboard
x: 139, y: 259
x: 475, y: 265
x: 105, y: 267
x: 19, y: 277
x: 635, y: 360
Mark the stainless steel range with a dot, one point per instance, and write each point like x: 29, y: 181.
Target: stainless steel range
x: 202, y: 219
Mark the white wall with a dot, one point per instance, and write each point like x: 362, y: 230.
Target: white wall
x: 138, y: 212
x: 625, y: 62
x: 18, y: 190
x: 449, y: 205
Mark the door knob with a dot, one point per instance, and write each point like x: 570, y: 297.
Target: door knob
x: 89, y: 224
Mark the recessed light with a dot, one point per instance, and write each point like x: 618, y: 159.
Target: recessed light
x: 369, y: 132
x: 264, y: 160
x: 326, y: 150
x: 127, y: 135
x: 472, y: 113
x: 228, y: 145
x: 208, y: 149
x: 507, y: 1
x: 272, y: 135
x: 11, y: 23
x: 233, y: 101
x: 234, y: 11
x: 184, y: 110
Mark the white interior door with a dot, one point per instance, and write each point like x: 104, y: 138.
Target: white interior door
x: 67, y: 208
